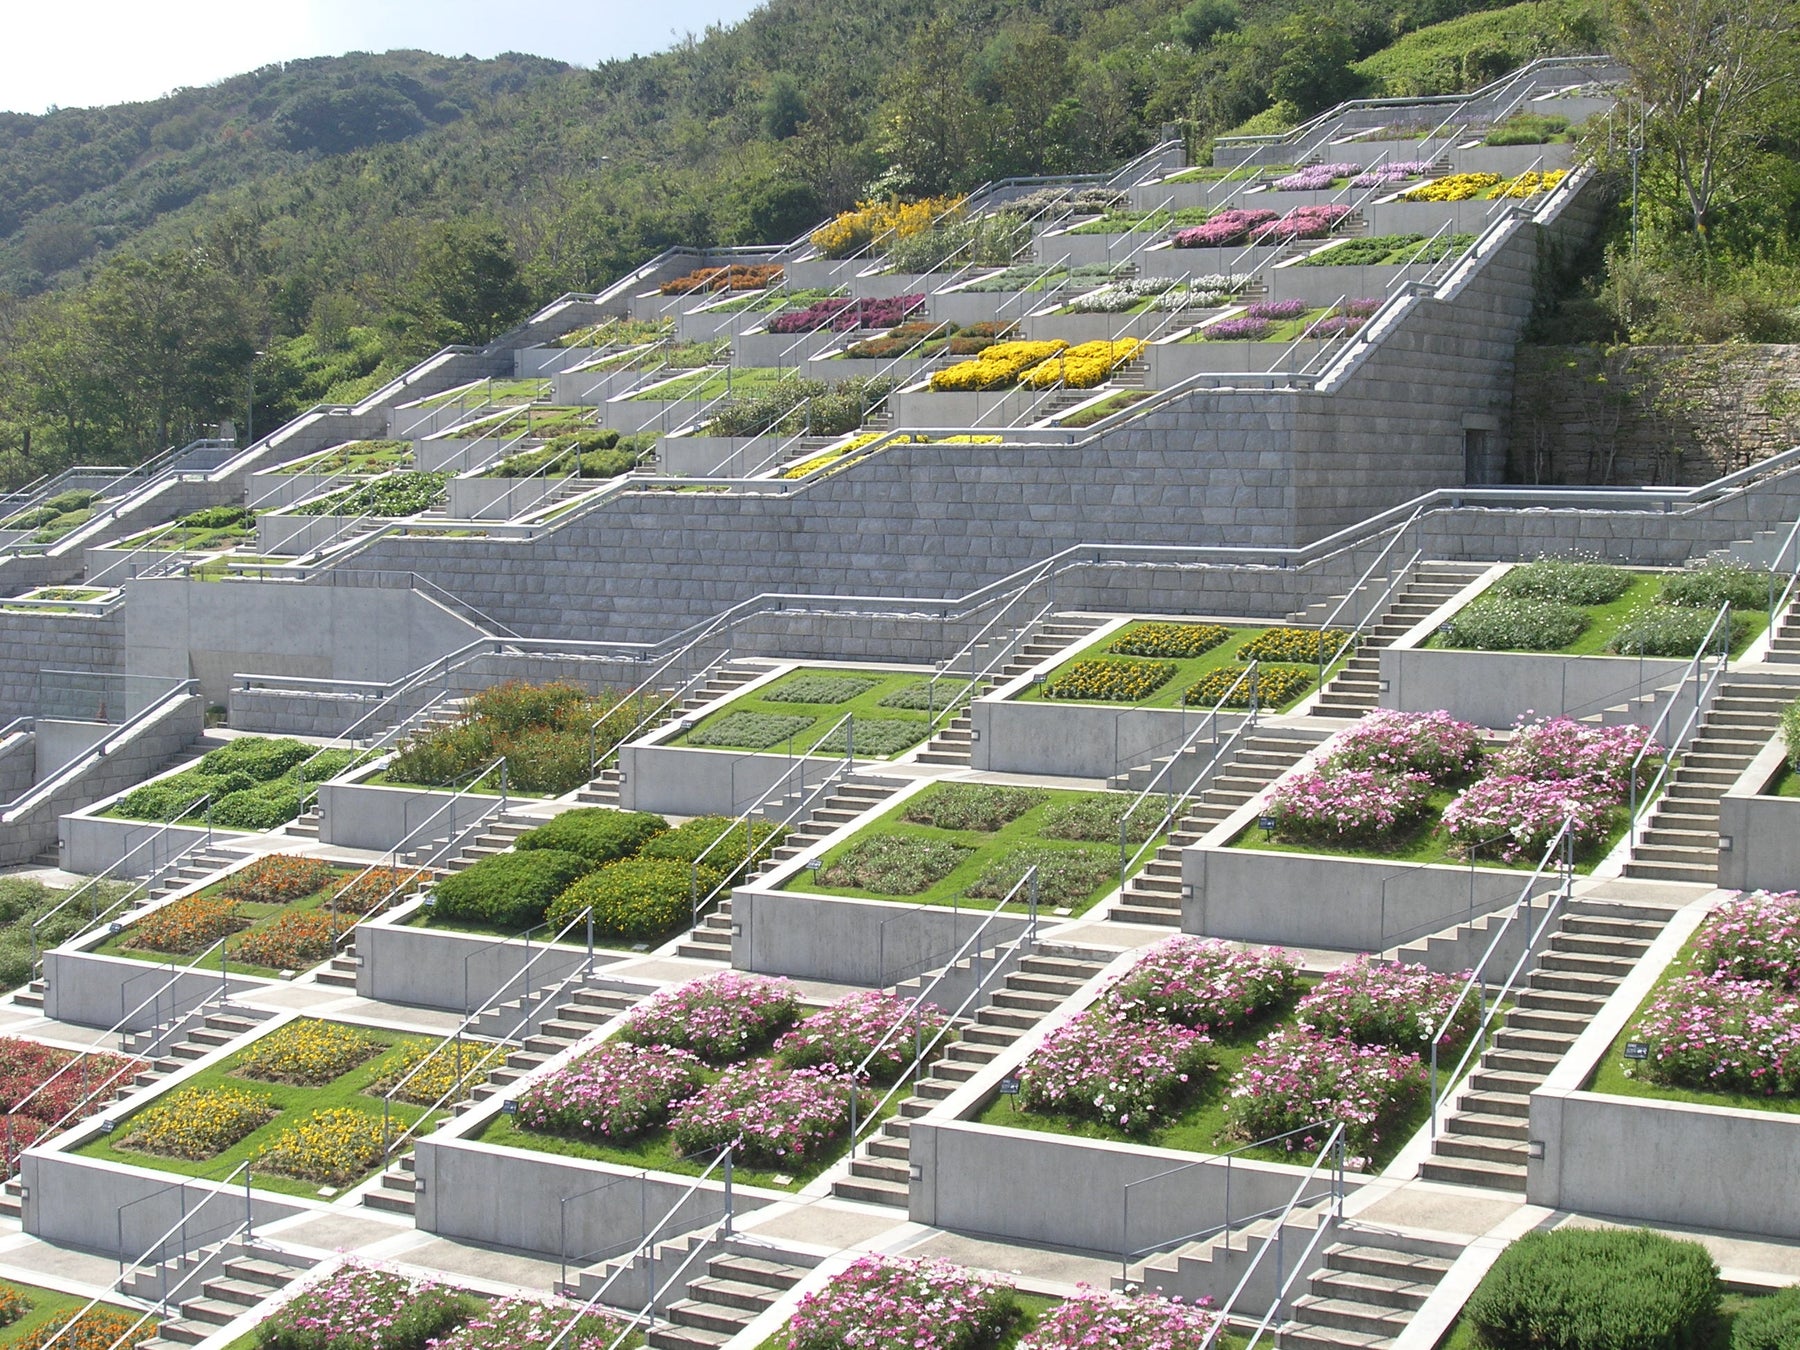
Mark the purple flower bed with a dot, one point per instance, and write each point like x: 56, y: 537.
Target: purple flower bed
x: 1226, y: 228
x: 1277, y: 311
x: 1098, y: 1320
x: 1722, y: 1035
x: 1388, y: 741
x: 1395, y: 1006
x: 720, y: 1018
x: 782, y: 1118
x: 1108, y: 1067
x: 615, y: 1093
x: 1315, y: 177
x: 1237, y: 330
x: 1396, y: 172
x: 1335, y: 326
x: 1296, y: 1077
x: 1204, y: 984
x: 841, y: 1037
x: 1348, y: 806
x: 1303, y: 222
x: 360, y: 1307
x: 1754, y: 937
x: 842, y: 313
x: 887, y: 1301
x: 1556, y: 747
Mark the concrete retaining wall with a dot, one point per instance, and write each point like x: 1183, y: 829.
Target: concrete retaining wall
x: 371, y: 816
x: 1763, y: 832
x: 91, y: 990
x: 1492, y: 689
x: 455, y: 972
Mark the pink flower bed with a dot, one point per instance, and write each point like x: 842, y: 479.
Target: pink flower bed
x: 781, y: 1118
x: 1396, y: 1006
x: 1723, y: 1036
x: 532, y: 1324
x: 886, y: 1301
x: 720, y: 1017
x: 840, y: 1037
x: 1226, y: 228
x: 1388, y: 741
x: 1099, y: 1320
x: 1396, y: 172
x: 1348, y: 806
x: 843, y: 313
x: 1754, y: 937
x: 1315, y: 177
x: 1303, y: 222
x: 1296, y: 1077
x: 615, y: 1093
x: 1204, y: 984
x: 1241, y: 329
x: 1556, y: 747
x: 1515, y: 818
x: 1108, y: 1067
x: 1278, y: 311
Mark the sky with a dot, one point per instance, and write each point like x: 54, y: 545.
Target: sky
x: 121, y: 51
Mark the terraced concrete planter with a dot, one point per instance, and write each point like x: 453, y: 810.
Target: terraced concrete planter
x: 966, y: 307
x: 1169, y: 261
x: 450, y: 455
x: 902, y: 369
x: 539, y: 362
x: 697, y: 325
x: 1764, y: 831
x: 499, y: 498
x: 92, y: 843
x: 359, y: 814
x: 1075, y: 740
x: 1427, y: 218
x: 272, y: 491
x: 1326, y: 285
x: 785, y: 350
x: 579, y: 388
x: 1492, y: 689
x: 1076, y: 328
x: 691, y: 781
x: 285, y: 535
x: 822, y: 273
x: 411, y: 423
x: 923, y: 408
x: 1171, y: 362
x: 89, y: 989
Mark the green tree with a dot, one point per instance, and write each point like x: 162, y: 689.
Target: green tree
x: 465, y: 286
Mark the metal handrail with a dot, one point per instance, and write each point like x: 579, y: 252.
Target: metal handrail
x: 10, y: 811
x: 1721, y: 625
x: 1787, y: 546
x: 1381, y: 601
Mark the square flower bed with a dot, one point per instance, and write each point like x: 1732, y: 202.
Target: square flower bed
x: 310, y: 1094
x: 896, y: 1301
x: 1164, y: 664
x: 968, y: 842
x: 35, y: 1094
x: 794, y: 713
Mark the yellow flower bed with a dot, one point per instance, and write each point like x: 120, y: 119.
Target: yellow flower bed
x: 869, y: 221
x: 334, y: 1147
x: 1083, y: 367
x: 198, y: 1124
x: 1531, y: 183
x: 1458, y: 187
x: 308, y: 1053
x: 999, y: 367
x: 433, y: 1083
x: 868, y: 438
x: 1108, y: 679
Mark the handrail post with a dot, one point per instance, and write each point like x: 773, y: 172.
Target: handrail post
x: 729, y: 1203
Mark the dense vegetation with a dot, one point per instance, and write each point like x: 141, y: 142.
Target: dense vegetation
x: 345, y: 216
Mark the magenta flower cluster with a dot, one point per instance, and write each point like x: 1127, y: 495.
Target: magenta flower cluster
x: 1227, y: 227
x: 361, y: 1307
x: 532, y: 1324
x: 1240, y: 329
x: 1557, y: 747
x: 1108, y: 1066
x: 1203, y: 983
x: 843, y: 313
x: 1398, y: 1006
x: 886, y: 1301
x: 1099, y: 1320
x: 1348, y: 806
x: 1754, y: 937
x: 719, y: 1017
x: 1398, y: 171
x: 614, y: 1093
x: 841, y: 1037
x: 1296, y: 1077
x: 1278, y: 311
x: 1303, y: 222
x: 1315, y: 177
x: 1434, y: 744
x: 778, y: 1117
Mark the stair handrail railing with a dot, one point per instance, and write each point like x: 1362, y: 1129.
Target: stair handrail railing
x: 178, y: 690
x: 563, y: 1255
x: 1286, y: 355
x: 1032, y: 576
x: 1560, y: 847
x: 1333, y: 1148
x: 646, y: 721
x: 958, y: 205
x: 1788, y: 549
x: 1401, y: 576
x: 1704, y: 684
x: 1128, y: 1254
x: 180, y: 1187
x: 923, y: 1049
x: 1176, y: 800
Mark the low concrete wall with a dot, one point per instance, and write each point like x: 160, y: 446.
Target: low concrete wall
x: 61, y: 742
x: 292, y: 535
x: 497, y: 498
x: 1492, y: 689
x: 90, y: 844
x: 91, y: 990
x: 1764, y: 832
x: 272, y: 491
x: 366, y: 815
x: 870, y: 943
x: 460, y: 455
x: 1351, y: 904
x: 683, y: 781
x: 1077, y: 740
x: 703, y: 456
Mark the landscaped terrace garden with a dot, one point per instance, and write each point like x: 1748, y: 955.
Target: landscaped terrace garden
x: 925, y: 340
x: 532, y: 390
x: 844, y: 314
x: 1388, y: 250
x: 733, y: 277
x: 1143, y: 222
x: 969, y: 844
x: 1155, y: 664
x: 617, y: 333
x: 1423, y: 788
x: 1288, y: 321
x: 61, y: 514
x: 30, y: 1316
x: 578, y: 454
x: 1046, y: 277
x: 1261, y: 226
x: 880, y: 223
x: 355, y: 457
x: 1204, y: 1047
x: 719, y: 1059
x: 404, y: 492
x: 702, y: 385
x: 28, y: 1068
x: 1529, y: 129
x: 1238, y: 175
x: 1145, y: 295
x: 25, y: 902
x: 1038, y: 365
x: 301, y: 1104
x: 57, y: 599
x: 793, y: 714
x: 249, y: 783
x: 768, y: 302
x: 533, y: 424
x: 1463, y: 187
x: 792, y: 405
x: 1582, y: 609
x: 211, y: 527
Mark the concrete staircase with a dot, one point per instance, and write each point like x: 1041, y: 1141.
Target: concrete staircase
x: 603, y: 790
x: 952, y: 743
x: 710, y: 939
x: 1682, y: 841
x: 202, y: 862
x: 497, y: 835
x: 247, y: 1276
x: 736, y: 1288
x: 1365, y: 1292
x: 1153, y: 895
x: 1040, y: 984
x: 1594, y: 947
x: 1355, y: 689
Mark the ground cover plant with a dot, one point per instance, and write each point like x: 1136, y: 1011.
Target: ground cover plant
x: 995, y: 836
x: 509, y: 890
x: 250, y: 783
x: 1388, y: 250
x: 1112, y: 670
x: 795, y: 712
x: 199, y: 1124
x: 403, y: 492
x: 355, y: 457
x: 211, y: 527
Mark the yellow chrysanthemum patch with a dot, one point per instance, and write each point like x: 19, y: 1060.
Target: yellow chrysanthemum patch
x: 445, y: 1067
x: 999, y: 367
x: 308, y: 1053
x: 868, y: 438
x: 1083, y: 367
x: 333, y: 1147
x: 197, y: 1124
x: 1458, y: 187
x: 883, y: 221
x: 1531, y: 183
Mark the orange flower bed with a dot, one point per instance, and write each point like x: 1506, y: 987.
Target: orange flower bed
x: 363, y: 894
x: 294, y: 941
x: 737, y: 277
x: 184, y: 927
x: 277, y: 879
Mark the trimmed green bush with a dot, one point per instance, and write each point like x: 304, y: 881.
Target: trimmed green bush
x: 257, y: 756
x: 1513, y: 624
x: 1573, y: 583
x: 1771, y: 1323
x: 686, y: 842
x: 598, y: 834
x: 1790, y: 732
x: 1599, y: 1289
x: 259, y: 808
x: 1716, y: 583
x: 1671, y: 630
x: 509, y: 890
x: 636, y: 898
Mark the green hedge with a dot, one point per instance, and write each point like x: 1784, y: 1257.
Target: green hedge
x: 1599, y: 1289
x: 598, y: 834
x: 509, y: 890
x: 636, y: 898
x: 1771, y: 1323
x: 1790, y: 732
x: 685, y: 843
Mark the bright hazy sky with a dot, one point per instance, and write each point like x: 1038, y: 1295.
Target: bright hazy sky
x: 117, y: 51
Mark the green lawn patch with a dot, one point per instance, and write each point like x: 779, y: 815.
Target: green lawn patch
x: 1106, y: 407
x: 356, y: 457
x: 496, y: 391
x: 1143, y: 222
x: 1188, y: 672
x: 1787, y: 785
x: 791, y: 715
x: 767, y: 302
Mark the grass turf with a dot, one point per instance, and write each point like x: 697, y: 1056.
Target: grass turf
x: 1188, y: 672
x: 825, y: 715
x: 1463, y: 1336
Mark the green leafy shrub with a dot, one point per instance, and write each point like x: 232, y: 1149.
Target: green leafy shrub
x: 891, y: 864
x: 1672, y: 630
x: 1273, y: 686
x: 1573, y: 583
x: 971, y: 806
x: 262, y: 807
x: 218, y: 518
x: 1527, y: 129
x: 1771, y: 1323
x: 509, y: 890
x: 1096, y: 819
x: 405, y: 492
x: 1584, y: 1289
x: 1107, y: 680
x: 818, y: 689
x: 751, y: 731
x: 874, y: 736
x: 360, y: 1308
x: 920, y: 697
x: 1175, y: 640
x: 1510, y: 624
x: 1712, y: 584
x: 546, y: 733
x: 636, y: 898
x: 598, y: 834
x: 1066, y: 876
x: 1790, y: 732
x: 737, y: 847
